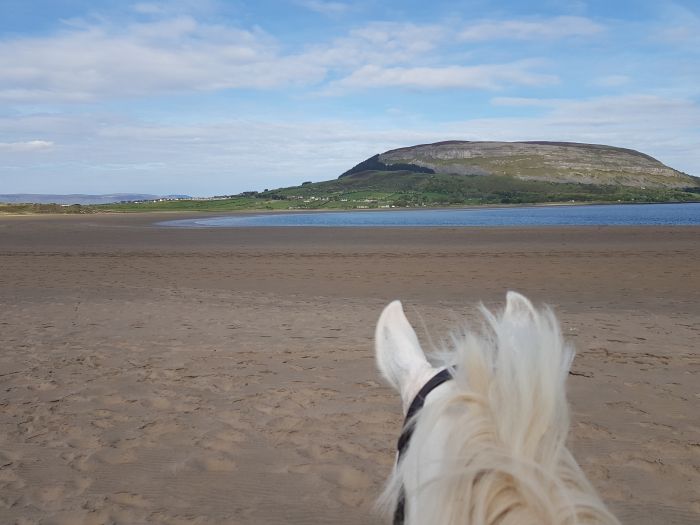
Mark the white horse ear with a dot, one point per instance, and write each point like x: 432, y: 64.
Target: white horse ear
x: 400, y: 358
x: 519, y: 307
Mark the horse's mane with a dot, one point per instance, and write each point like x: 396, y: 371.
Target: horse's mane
x: 506, y: 420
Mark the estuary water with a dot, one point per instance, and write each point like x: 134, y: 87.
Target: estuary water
x: 586, y: 215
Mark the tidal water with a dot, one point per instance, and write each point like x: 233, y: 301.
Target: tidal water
x: 594, y: 215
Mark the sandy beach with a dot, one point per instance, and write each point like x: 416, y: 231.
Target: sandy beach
x: 226, y: 376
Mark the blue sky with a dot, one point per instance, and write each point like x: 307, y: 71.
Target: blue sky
x: 210, y: 97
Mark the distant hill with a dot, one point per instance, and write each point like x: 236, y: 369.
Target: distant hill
x: 559, y: 162
x: 459, y: 173
x: 472, y: 173
x: 79, y: 198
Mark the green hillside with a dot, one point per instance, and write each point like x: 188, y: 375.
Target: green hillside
x: 383, y: 189
x: 404, y: 188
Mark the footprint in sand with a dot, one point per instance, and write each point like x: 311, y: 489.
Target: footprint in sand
x: 205, y: 461
x: 53, y: 497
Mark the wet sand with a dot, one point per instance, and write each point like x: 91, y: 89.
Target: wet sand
x: 160, y: 375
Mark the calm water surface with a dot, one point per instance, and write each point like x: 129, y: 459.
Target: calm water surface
x: 600, y: 215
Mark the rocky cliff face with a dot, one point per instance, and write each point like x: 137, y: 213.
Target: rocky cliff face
x: 546, y: 161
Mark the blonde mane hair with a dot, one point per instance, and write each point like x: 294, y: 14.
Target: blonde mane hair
x: 504, y: 422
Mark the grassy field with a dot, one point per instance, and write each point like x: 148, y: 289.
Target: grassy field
x: 377, y: 189
x: 231, y: 204
x: 30, y: 209
x: 387, y: 189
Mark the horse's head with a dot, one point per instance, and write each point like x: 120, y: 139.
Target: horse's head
x: 484, y: 437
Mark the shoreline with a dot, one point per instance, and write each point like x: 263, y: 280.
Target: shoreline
x: 415, y: 221
x: 153, y: 221
x: 343, y: 210
x: 195, y: 215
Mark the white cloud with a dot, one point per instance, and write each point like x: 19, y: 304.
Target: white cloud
x: 680, y: 28
x: 88, y: 62
x: 167, y: 52
x: 538, y: 29
x: 127, y: 166
x: 177, y: 7
x: 640, y: 117
x: 522, y: 102
x: 485, y: 77
x: 649, y: 115
x: 666, y: 128
x: 179, y: 54
x: 147, y: 8
x: 26, y: 146
x: 233, y: 155
x: 205, y: 158
x: 379, y: 43
x: 612, y: 81
x: 640, y: 110
x: 325, y: 8
x: 166, y: 56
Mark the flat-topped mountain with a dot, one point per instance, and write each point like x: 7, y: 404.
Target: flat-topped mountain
x: 459, y: 173
x: 562, y: 162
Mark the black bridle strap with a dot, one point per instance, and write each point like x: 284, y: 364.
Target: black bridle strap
x: 407, y: 432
